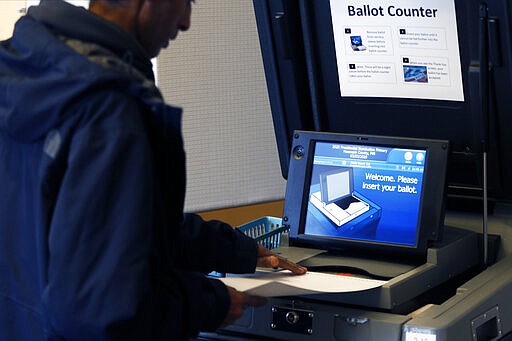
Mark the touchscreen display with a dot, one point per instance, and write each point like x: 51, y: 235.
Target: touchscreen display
x: 364, y: 192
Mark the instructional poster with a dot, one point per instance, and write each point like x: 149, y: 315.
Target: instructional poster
x: 401, y: 48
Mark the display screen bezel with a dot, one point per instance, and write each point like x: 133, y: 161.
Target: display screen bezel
x: 431, y: 213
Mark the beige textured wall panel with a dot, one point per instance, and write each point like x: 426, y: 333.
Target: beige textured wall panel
x: 215, y: 72
x: 10, y: 12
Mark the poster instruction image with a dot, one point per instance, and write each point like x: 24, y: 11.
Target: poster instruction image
x: 400, y: 49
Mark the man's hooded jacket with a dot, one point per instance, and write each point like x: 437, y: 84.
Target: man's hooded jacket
x: 93, y: 240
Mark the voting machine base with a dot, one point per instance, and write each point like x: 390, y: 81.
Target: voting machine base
x: 472, y: 309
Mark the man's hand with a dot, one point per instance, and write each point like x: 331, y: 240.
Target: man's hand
x: 269, y: 259
x: 239, y: 301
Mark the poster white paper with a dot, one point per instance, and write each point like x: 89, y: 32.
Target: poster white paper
x: 401, y: 48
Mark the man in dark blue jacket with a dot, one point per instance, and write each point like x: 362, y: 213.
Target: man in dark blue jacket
x: 93, y: 240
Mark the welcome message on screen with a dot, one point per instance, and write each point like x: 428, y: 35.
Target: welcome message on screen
x: 385, y: 169
x: 388, y: 183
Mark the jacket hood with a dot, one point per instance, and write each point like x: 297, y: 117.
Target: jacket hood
x: 42, y: 75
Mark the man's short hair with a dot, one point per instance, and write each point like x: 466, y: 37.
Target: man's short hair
x: 92, y: 2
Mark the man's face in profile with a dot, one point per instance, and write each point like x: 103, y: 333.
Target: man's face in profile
x: 160, y: 21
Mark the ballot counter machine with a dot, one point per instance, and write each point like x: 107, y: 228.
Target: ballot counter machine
x: 407, y: 104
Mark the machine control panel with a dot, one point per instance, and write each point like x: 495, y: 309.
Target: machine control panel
x: 292, y: 319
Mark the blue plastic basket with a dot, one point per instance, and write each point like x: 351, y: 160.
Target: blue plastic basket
x: 267, y: 231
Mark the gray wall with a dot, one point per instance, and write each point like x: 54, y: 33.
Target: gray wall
x: 215, y: 72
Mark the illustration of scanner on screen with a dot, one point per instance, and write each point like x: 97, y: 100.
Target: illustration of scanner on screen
x: 336, y: 198
x: 356, y: 42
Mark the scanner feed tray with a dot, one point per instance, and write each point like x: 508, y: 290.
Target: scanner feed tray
x: 444, y: 261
